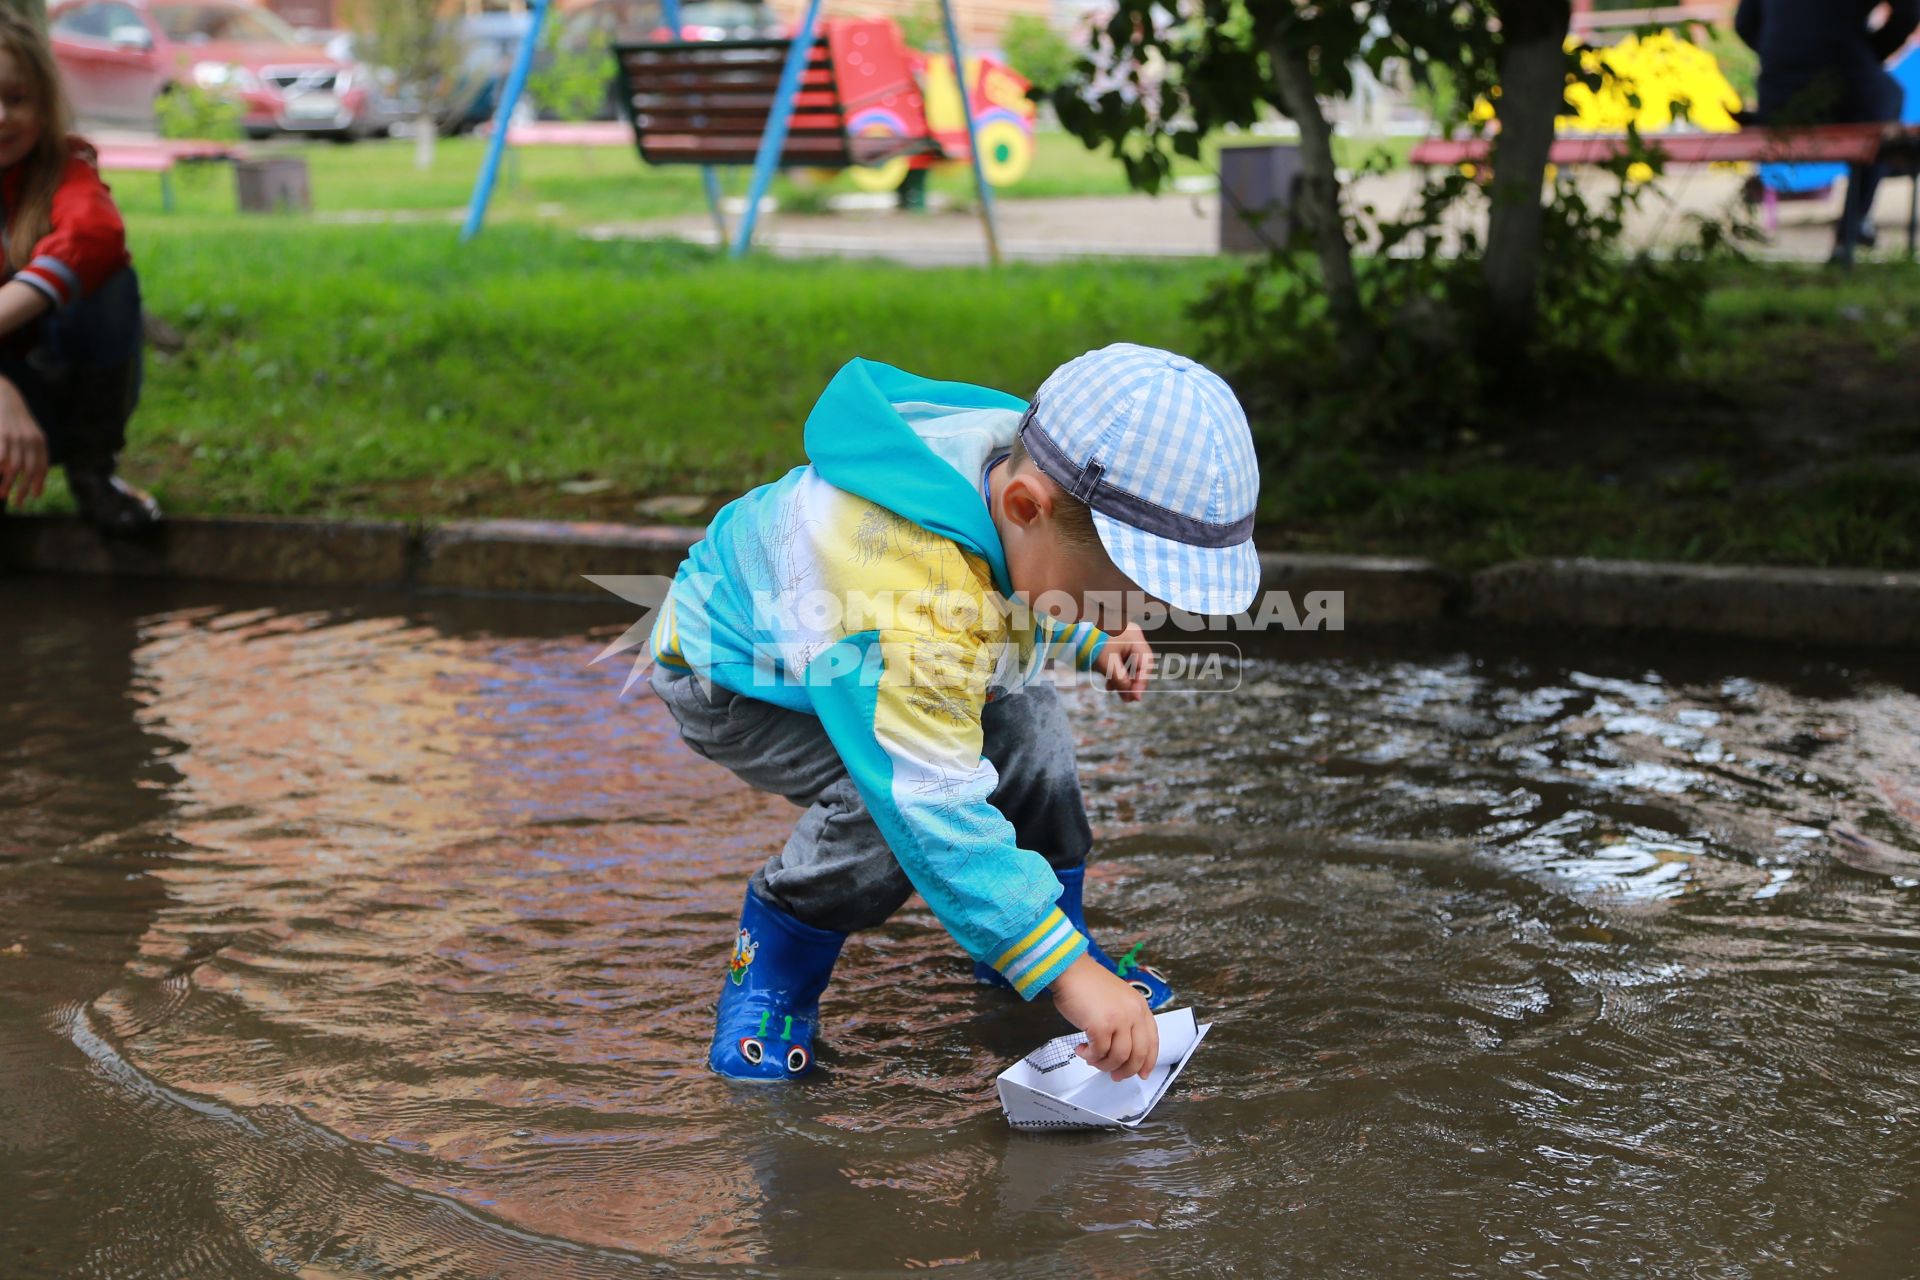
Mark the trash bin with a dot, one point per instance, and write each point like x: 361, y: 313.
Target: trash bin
x: 273, y: 184
x: 1257, y: 185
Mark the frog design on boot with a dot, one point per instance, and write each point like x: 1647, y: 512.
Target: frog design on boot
x: 770, y: 1002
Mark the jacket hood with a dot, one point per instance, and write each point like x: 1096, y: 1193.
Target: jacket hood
x: 916, y: 447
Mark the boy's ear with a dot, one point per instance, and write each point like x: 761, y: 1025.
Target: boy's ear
x: 1026, y: 499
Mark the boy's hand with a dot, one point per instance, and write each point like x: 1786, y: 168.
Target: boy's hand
x: 1127, y: 663
x: 1122, y: 1037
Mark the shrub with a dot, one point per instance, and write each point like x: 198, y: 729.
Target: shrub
x: 1603, y: 311
x: 572, y: 82
x: 1038, y: 52
x: 188, y: 111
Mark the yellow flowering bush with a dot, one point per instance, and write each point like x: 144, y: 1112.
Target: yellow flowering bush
x: 1649, y: 82
x: 1671, y: 79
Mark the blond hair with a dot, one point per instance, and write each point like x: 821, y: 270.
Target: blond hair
x: 43, y: 167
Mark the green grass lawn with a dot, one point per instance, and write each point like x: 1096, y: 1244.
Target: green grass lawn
x: 1789, y: 435
x: 387, y: 370
x: 588, y: 183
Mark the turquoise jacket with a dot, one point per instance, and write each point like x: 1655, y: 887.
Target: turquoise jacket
x: 869, y: 588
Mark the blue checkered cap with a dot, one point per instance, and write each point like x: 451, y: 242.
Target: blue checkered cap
x: 1159, y: 447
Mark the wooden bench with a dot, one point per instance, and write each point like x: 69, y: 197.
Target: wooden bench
x: 708, y: 102
x: 562, y: 133
x: 1897, y: 146
x: 160, y: 155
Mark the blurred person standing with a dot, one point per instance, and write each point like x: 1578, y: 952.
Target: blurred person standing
x: 1824, y: 62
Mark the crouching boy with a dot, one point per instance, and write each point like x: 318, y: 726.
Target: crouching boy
x: 863, y: 635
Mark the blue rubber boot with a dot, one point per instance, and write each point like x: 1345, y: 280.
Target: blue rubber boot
x: 770, y: 1004
x: 1073, y: 882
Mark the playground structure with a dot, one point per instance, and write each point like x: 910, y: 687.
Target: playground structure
x: 997, y: 95
x: 845, y: 98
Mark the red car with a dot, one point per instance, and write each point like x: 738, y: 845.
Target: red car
x: 119, y: 56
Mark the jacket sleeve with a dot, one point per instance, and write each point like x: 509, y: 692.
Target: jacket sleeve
x: 1903, y: 16
x: 1746, y: 22
x: 1082, y: 641
x: 901, y: 701
x: 88, y: 242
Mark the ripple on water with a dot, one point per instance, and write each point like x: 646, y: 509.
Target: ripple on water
x: 1512, y: 960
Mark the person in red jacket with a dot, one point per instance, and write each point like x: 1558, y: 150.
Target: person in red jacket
x: 70, y: 328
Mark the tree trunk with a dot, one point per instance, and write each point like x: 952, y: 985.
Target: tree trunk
x: 1533, y: 86
x: 425, y: 131
x: 1317, y: 203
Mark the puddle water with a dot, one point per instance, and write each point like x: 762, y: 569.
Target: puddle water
x: 373, y: 936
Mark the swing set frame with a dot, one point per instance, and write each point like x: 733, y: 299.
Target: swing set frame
x: 773, y: 138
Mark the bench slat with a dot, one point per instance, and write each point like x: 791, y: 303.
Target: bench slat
x: 135, y: 161
x: 556, y: 133
x: 810, y: 151
x: 743, y: 99
x: 684, y: 85
x: 1839, y: 143
x: 774, y: 45
x: 824, y: 96
x: 816, y: 126
x: 161, y: 154
x: 736, y: 156
x: 643, y: 64
x: 709, y: 102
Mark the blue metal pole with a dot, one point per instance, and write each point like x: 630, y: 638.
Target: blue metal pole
x: 973, y: 133
x: 710, y: 180
x: 509, y: 99
x: 774, y: 139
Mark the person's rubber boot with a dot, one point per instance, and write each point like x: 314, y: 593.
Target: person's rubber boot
x: 770, y: 1003
x: 113, y: 505
x: 1149, y: 982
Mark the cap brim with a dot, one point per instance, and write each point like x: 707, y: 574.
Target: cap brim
x: 1209, y: 580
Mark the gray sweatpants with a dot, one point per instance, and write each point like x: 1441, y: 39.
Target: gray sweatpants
x: 836, y: 871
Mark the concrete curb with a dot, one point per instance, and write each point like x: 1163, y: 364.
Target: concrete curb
x: 1378, y: 590
x: 273, y: 550
x: 550, y: 558
x: 545, y: 557
x: 1812, y: 606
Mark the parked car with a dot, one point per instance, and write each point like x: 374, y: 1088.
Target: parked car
x: 387, y: 102
x: 118, y: 57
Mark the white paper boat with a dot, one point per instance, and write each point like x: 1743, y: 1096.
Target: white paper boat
x: 1053, y: 1088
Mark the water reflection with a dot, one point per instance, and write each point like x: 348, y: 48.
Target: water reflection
x: 1555, y: 962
